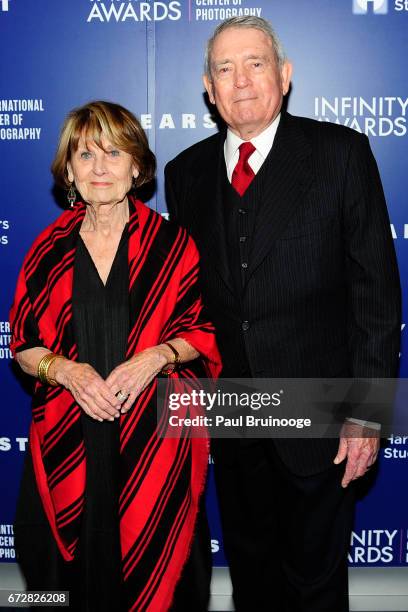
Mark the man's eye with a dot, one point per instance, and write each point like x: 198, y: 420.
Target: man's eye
x: 257, y: 64
x: 86, y: 155
x: 224, y: 70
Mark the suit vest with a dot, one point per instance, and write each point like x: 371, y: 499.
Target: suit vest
x: 240, y: 213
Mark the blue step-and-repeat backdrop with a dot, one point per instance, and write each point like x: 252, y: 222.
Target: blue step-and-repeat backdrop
x: 349, y: 67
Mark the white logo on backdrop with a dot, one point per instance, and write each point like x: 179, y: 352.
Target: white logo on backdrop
x: 4, y: 5
x: 134, y: 11
x: 362, y: 7
x: 4, y: 227
x: 226, y: 11
x: 376, y: 116
x: 399, y: 231
x: 7, y: 542
x: 215, y: 546
x: 376, y: 545
x: 13, y: 113
x: 397, y: 447
x: 13, y: 444
x: 5, y: 339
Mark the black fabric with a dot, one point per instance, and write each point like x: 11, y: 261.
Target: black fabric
x: 239, y: 221
x: 101, y: 327
x: 239, y: 216
x: 101, y: 312
x: 34, y: 540
x: 282, y: 549
x: 192, y: 592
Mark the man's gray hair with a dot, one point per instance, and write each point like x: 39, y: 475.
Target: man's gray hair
x: 258, y: 23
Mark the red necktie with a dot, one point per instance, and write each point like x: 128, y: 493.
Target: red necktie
x: 243, y: 173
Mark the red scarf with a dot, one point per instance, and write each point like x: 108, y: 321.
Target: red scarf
x: 163, y: 478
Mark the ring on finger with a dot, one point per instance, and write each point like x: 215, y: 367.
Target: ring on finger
x: 122, y: 396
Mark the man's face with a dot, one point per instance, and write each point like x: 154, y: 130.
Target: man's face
x: 246, y: 84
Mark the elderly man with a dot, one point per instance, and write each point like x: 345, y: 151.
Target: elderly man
x: 300, y: 279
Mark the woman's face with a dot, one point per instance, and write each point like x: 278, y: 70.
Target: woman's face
x: 102, y: 176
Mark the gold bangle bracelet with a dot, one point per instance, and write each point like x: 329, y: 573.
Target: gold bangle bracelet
x: 44, y: 366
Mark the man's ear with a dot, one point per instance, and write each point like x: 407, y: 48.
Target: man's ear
x: 286, y: 75
x: 209, y: 88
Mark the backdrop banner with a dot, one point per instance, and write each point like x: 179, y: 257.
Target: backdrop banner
x: 349, y: 68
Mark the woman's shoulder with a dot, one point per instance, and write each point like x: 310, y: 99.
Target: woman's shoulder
x: 147, y: 214
x: 168, y: 228
x: 61, y: 226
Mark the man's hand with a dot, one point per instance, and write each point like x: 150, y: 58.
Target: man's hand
x: 360, y: 445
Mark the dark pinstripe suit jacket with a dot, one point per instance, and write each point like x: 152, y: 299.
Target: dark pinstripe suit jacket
x: 323, y: 295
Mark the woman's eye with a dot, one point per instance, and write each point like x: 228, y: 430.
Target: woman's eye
x: 114, y: 153
x: 86, y: 155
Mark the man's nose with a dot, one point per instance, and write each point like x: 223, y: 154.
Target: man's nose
x: 241, y: 77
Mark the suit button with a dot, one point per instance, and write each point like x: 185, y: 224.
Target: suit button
x: 245, y: 325
x: 242, y: 211
x: 244, y: 265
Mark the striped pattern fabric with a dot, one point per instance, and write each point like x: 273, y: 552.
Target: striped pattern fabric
x: 162, y: 478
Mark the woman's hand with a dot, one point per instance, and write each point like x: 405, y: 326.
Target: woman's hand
x: 89, y: 390
x: 133, y: 376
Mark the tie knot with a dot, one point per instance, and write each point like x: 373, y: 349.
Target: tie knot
x: 245, y: 151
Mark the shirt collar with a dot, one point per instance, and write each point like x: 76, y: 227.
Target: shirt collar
x: 263, y: 142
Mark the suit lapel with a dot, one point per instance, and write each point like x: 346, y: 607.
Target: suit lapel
x: 208, y: 224
x: 289, y: 177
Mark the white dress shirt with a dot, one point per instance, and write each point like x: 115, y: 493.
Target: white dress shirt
x: 262, y: 143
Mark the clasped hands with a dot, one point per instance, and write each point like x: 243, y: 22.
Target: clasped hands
x: 98, y: 397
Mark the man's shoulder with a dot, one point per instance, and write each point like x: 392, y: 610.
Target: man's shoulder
x: 325, y: 131
x: 201, y: 150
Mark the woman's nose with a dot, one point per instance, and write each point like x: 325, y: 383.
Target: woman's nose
x: 99, y: 166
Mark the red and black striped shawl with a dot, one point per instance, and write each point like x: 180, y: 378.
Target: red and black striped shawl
x: 161, y: 478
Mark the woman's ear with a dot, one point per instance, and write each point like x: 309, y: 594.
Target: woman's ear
x: 69, y: 172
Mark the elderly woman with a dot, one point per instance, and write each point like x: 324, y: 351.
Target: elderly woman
x: 106, y: 300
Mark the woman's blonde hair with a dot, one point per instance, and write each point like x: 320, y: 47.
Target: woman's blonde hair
x: 116, y: 124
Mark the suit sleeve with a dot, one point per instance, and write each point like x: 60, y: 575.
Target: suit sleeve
x: 172, y: 192
x: 374, y: 321
x: 374, y: 294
